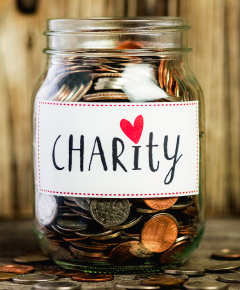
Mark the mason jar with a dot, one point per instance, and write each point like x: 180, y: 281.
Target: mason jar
x: 118, y: 146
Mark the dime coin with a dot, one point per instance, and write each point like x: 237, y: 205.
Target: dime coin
x: 226, y: 267
x: 110, y: 212
x: 159, y: 233
x: 31, y: 259
x: 31, y: 279
x: 71, y: 224
x: 229, y: 278
x: 163, y: 281
x: 57, y: 285
x: 7, y: 276
x: 190, y: 271
x: 174, y: 252
x: 61, y: 273
x: 46, y: 208
x: 84, y: 277
x: 134, y: 284
x: 19, y: 269
x: 160, y: 203
x: 205, y: 285
x: 226, y: 254
x: 84, y: 203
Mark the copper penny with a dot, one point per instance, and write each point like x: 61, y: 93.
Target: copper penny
x: 84, y: 277
x: 128, y: 253
x: 159, y: 233
x: 160, y: 203
x: 61, y: 273
x: 19, y: 269
x: 163, y: 281
x: 173, y: 253
x: 7, y: 276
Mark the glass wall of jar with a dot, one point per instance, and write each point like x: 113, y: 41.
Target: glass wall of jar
x: 122, y: 228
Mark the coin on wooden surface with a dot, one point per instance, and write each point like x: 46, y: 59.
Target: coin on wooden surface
x: 46, y: 208
x: 18, y: 269
x: 205, y: 285
x: 134, y: 284
x: 226, y: 254
x: 57, y: 285
x: 183, y: 277
x: 85, y: 277
x: 34, y: 258
x: 160, y: 203
x: 190, y: 271
x: 224, y: 267
x: 159, y: 233
x: 229, y: 277
x: 31, y: 279
x: 7, y: 276
x: 109, y: 211
x: 163, y: 281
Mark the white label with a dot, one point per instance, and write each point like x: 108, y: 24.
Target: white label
x: 118, y: 149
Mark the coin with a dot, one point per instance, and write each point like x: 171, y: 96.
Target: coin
x: 226, y: 267
x: 71, y: 224
x: 226, y: 254
x: 84, y: 277
x: 7, y: 276
x: 101, y: 256
x: 128, y: 223
x: 163, y: 281
x: 229, y: 277
x: 46, y: 208
x: 61, y: 273
x: 108, y: 237
x: 205, y: 285
x: 94, y: 231
x: 31, y: 259
x: 190, y: 271
x: 90, y: 246
x: 182, y: 204
x: 84, y: 203
x: 134, y: 284
x: 110, y: 212
x: 31, y: 279
x: 19, y: 269
x: 128, y: 253
x: 160, y: 203
x: 57, y: 285
x: 159, y: 233
x: 183, y: 277
x: 146, y: 210
x: 174, y: 253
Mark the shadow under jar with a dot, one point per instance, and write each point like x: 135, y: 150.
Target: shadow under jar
x: 118, y: 146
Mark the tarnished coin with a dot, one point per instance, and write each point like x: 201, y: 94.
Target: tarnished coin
x: 84, y: 277
x: 174, y: 253
x: 18, y: 269
x: 110, y: 212
x: 182, y: 277
x: 182, y: 204
x: 163, y: 281
x: 100, y: 256
x: 159, y: 233
x: 128, y: 253
x: 31, y: 279
x: 90, y: 246
x: 134, y: 284
x: 225, y: 267
x: 31, y: 259
x: 226, y: 254
x: 71, y: 223
x: 7, y: 276
x: 84, y: 203
x: 229, y: 277
x: 57, y: 285
x: 46, y: 208
x: 61, y: 273
x: 146, y: 210
x: 205, y: 285
x: 160, y: 203
x: 190, y: 271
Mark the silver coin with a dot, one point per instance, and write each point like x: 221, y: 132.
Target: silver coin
x: 205, y: 285
x: 127, y: 224
x: 190, y: 271
x: 134, y: 284
x: 183, y: 238
x: 182, y: 205
x: 108, y: 237
x: 230, y: 277
x: 156, y: 276
x: 69, y: 198
x: 146, y: 210
x: 110, y: 212
x: 57, y: 285
x: 84, y: 203
x: 94, y: 232
x: 101, y: 256
x: 223, y: 267
x: 31, y: 279
x: 46, y: 208
x: 71, y: 224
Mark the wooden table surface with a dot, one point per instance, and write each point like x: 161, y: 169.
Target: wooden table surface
x: 16, y: 238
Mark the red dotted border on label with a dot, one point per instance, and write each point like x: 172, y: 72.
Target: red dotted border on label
x: 116, y: 105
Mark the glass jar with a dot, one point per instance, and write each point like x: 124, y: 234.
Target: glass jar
x: 118, y: 146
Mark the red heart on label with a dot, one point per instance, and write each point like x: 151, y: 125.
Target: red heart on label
x: 133, y: 132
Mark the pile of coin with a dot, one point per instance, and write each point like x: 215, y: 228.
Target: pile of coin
x: 116, y: 232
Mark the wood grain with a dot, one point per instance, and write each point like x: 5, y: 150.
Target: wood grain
x: 215, y: 40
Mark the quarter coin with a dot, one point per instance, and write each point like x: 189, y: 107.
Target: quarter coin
x: 46, y: 208
x: 19, y: 269
x: 134, y: 284
x: 230, y: 277
x: 84, y: 277
x: 159, y: 233
x: 205, y: 285
x: 190, y: 271
x: 31, y: 279
x: 57, y: 285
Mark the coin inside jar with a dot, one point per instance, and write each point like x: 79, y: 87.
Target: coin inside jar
x: 160, y: 203
x: 46, y: 208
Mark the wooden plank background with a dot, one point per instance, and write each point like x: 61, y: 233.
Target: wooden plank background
x: 215, y: 39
